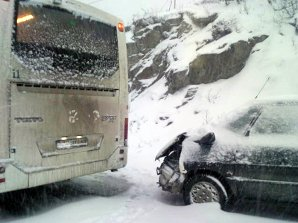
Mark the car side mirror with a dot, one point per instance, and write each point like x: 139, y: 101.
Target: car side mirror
x: 207, y: 140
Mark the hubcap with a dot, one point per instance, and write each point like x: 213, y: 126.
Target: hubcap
x: 203, y: 192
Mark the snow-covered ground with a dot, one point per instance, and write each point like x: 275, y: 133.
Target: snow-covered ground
x: 128, y: 196
x: 131, y: 195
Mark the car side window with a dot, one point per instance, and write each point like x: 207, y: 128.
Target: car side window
x: 277, y: 119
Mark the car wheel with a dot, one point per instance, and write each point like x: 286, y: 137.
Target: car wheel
x: 204, y: 189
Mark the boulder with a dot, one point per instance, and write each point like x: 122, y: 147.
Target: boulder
x: 147, y: 73
x: 220, y: 30
x: 183, y: 29
x: 177, y: 81
x: 170, y: 23
x: 143, y: 23
x: 132, y: 49
x: 150, y: 39
x: 133, y: 54
x: 208, y: 68
x: 203, y: 21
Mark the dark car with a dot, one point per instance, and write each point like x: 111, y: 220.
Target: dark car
x: 253, y: 155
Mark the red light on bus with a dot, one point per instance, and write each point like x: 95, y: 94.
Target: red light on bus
x: 121, y: 27
x: 25, y: 18
x: 125, y: 131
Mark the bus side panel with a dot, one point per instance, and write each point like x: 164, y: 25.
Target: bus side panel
x: 6, y: 23
x: 123, y: 97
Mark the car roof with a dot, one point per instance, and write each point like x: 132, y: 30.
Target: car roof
x: 280, y: 100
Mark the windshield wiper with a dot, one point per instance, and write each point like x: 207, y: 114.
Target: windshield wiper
x: 252, y: 123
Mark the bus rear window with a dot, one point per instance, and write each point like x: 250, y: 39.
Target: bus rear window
x: 51, y: 40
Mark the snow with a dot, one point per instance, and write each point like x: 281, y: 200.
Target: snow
x: 127, y: 196
x: 274, y: 58
x: 132, y: 195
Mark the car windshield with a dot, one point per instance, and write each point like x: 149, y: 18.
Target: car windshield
x: 242, y: 119
x: 53, y: 41
x: 266, y: 119
x: 281, y: 119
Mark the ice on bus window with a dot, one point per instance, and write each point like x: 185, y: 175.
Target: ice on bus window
x: 54, y: 41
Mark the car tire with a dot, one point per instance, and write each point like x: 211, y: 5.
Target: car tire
x: 204, y: 189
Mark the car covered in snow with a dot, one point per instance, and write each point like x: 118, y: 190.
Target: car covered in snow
x: 251, y: 154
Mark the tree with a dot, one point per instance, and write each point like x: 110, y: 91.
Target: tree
x: 288, y: 8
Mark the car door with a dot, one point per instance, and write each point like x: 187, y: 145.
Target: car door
x: 271, y: 172
x: 271, y: 168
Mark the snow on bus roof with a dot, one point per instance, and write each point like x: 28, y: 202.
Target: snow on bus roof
x: 82, y: 9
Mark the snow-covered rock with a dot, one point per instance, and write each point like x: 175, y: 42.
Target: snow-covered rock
x: 193, y: 46
x: 208, y: 68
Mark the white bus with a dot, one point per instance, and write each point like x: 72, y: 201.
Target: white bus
x: 64, y: 92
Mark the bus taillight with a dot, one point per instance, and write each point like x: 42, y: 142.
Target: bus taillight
x: 125, y: 131
x: 121, y: 27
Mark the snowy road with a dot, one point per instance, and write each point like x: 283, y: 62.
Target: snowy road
x: 128, y: 196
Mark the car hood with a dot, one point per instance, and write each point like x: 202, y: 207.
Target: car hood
x: 223, y: 149
x: 233, y: 148
x: 193, y: 151
x: 168, y: 148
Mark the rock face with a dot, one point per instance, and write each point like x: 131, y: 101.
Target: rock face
x: 132, y: 53
x: 208, y: 68
x: 149, y: 63
x: 203, y: 22
x: 177, y: 80
x: 147, y: 34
